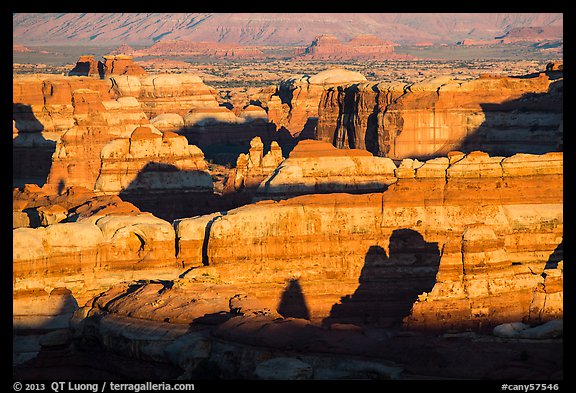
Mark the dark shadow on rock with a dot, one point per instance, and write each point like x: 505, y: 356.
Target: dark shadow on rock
x: 205, y: 258
x: 389, y: 285
x: 223, y: 142
x: 556, y: 256
x: 61, y: 186
x: 84, y: 68
x: 33, y: 217
x: 170, y: 193
x: 540, y: 137
x: 30, y: 335
x: 292, y: 302
x: 31, y: 152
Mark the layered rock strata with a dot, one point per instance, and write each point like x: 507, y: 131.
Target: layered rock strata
x: 182, y: 103
x: 158, y: 172
x: 33, y: 206
x: 252, y: 168
x: 316, y: 167
x: 366, y: 46
x: 121, y: 65
x: 499, y: 115
x: 392, y: 241
x: 466, y: 241
x: 90, y: 255
x: 113, y: 64
x: 294, y: 105
x: 76, y: 160
x: 165, y: 93
x: 43, y: 109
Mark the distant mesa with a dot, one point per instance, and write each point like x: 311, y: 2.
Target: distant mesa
x: 532, y: 34
x: 469, y: 42
x: 122, y: 50
x: 365, y: 46
x: 112, y: 65
x: 200, y: 49
x: 17, y: 48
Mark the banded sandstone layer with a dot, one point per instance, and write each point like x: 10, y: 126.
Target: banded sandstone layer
x: 431, y: 206
x: 43, y: 110
x: 481, y: 246
x: 297, y: 238
x: 499, y: 115
x: 294, y: 104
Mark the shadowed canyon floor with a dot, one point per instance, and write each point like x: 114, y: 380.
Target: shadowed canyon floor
x: 327, y: 227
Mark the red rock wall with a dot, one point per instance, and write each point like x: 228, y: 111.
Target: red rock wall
x: 42, y: 112
x: 499, y: 115
x: 76, y: 160
x: 374, y: 242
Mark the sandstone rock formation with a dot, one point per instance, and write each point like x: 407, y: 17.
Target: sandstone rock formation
x: 97, y: 121
x: 294, y: 105
x: 427, y: 254
x: 316, y: 167
x: 113, y: 64
x: 184, y: 104
x: 33, y: 206
x: 157, y: 171
x: 433, y: 117
x: 121, y: 65
x: 91, y: 254
x: 252, y: 168
x: 166, y: 93
x: 43, y: 109
x: 366, y: 46
x: 373, y: 228
x: 124, y: 160
x: 88, y: 66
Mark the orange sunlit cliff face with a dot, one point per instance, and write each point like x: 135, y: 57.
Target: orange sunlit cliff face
x: 178, y: 212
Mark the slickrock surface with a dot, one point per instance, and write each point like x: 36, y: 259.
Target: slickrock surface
x: 316, y: 167
x: 91, y: 254
x: 33, y: 206
x: 244, y: 339
x: 294, y: 105
x: 499, y: 115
